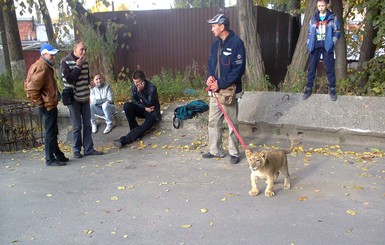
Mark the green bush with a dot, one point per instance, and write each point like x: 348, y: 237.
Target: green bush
x: 122, y: 90
x: 11, y: 88
x: 368, y: 81
x: 175, y: 85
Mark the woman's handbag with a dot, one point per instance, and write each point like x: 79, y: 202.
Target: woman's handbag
x: 68, y: 95
x: 227, y: 96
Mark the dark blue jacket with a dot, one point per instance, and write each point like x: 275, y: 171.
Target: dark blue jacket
x: 233, y: 61
x: 332, y: 32
x: 147, y: 97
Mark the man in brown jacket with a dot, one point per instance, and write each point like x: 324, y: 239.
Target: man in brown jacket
x: 41, y: 88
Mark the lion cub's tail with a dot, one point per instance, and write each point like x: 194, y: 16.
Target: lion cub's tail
x: 289, y: 150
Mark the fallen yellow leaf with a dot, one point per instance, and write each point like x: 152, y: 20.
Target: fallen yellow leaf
x: 121, y: 187
x: 356, y: 187
x: 114, y: 198
x: 204, y: 210
x: 303, y: 198
x: 186, y: 226
x: 351, y: 212
x: 49, y: 195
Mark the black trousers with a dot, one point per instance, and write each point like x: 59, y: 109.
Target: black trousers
x: 51, y: 131
x: 132, y: 111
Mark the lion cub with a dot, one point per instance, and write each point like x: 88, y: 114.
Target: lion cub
x: 267, y: 165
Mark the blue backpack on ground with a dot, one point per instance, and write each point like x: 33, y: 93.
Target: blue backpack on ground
x: 188, y: 111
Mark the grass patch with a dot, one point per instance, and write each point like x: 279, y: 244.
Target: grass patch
x: 11, y: 88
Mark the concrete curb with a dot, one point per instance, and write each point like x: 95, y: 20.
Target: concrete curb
x: 350, y: 119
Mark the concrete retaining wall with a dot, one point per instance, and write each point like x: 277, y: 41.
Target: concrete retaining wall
x: 351, y: 118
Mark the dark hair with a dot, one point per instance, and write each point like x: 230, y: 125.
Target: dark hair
x: 138, y: 74
x: 93, y: 77
x: 325, y: 1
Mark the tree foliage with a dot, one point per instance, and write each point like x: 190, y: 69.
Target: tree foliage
x: 199, y: 3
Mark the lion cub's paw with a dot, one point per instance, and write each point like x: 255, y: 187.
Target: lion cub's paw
x: 253, y: 192
x: 286, y: 186
x: 269, y: 193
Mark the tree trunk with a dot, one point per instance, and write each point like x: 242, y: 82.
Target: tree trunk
x: 47, y: 22
x: 3, y: 43
x: 255, y: 68
x: 13, y: 41
x: 300, y: 56
x: 340, y: 49
x: 368, y: 48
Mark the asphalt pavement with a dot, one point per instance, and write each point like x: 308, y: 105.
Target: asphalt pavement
x: 160, y: 191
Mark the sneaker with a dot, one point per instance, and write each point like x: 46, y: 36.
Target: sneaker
x: 333, y: 95
x: 62, y: 159
x: 307, y: 94
x: 118, y: 144
x: 55, y: 162
x: 209, y: 155
x: 234, y: 159
x: 108, y: 129
x: 77, y: 155
x: 94, y: 128
x: 94, y: 153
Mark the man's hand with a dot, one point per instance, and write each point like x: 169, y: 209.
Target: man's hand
x: 210, y: 80
x: 149, y: 109
x: 139, y: 86
x: 80, y: 61
x: 212, y: 83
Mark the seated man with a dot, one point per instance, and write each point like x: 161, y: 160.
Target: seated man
x: 101, y: 103
x: 144, y: 104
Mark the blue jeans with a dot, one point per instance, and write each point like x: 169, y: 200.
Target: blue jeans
x: 133, y: 111
x: 80, y: 115
x: 51, y: 131
x: 106, y: 110
x: 328, y: 59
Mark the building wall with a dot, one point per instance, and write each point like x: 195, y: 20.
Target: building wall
x: 27, y: 30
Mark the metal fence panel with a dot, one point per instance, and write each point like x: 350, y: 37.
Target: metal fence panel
x: 20, y: 126
x: 176, y: 38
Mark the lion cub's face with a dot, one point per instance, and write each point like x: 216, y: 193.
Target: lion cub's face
x: 255, y: 159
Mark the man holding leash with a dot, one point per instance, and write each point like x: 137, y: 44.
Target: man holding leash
x: 225, y: 68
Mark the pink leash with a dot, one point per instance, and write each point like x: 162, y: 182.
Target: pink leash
x: 229, y: 121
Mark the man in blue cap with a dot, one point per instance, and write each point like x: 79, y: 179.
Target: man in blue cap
x: 225, y: 68
x: 41, y: 88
